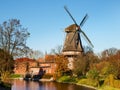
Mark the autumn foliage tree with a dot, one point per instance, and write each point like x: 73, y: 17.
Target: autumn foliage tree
x: 6, y: 65
x: 80, y: 65
x: 109, y: 63
x: 61, y: 65
x: 12, y: 44
x: 114, y: 63
x: 83, y: 63
x: 6, y: 61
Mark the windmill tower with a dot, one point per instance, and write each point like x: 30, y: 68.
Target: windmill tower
x: 73, y: 44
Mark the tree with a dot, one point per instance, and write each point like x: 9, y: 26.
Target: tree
x: 13, y: 37
x: 57, y: 50
x: 93, y: 77
x: 80, y: 65
x: 6, y: 62
x: 92, y: 59
x: 114, y: 61
x: 37, y: 54
x: 109, y: 63
x: 34, y: 54
x: 109, y: 52
x: 61, y: 65
x: 84, y: 62
x: 87, y: 49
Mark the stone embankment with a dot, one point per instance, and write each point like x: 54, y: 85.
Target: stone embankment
x: 47, y: 80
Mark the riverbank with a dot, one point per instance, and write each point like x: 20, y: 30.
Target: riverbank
x: 47, y: 80
x: 83, y: 85
x: 87, y: 86
x: 100, y: 88
x: 73, y: 80
x: 5, y: 86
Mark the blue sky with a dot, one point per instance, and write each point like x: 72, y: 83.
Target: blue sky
x: 47, y: 19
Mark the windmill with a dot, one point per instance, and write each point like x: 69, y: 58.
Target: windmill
x: 73, y: 44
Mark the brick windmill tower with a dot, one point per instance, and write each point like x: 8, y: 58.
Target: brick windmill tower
x: 73, y: 44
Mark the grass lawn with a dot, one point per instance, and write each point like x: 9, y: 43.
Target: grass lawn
x: 108, y: 88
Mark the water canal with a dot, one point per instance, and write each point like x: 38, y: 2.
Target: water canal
x: 36, y: 85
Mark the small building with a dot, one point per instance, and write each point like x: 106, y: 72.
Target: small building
x: 23, y: 65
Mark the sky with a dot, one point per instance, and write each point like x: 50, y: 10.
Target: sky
x: 47, y: 19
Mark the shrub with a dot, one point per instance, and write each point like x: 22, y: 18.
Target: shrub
x: 5, y: 86
x: 83, y: 81
x: 47, y: 76
x: 116, y: 83
x: 88, y: 82
x: 110, y: 81
x: 67, y: 79
x: 93, y: 76
x: 5, y: 75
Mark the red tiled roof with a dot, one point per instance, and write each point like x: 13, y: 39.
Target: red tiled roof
x: 40, y: 60
x: 49, y: 57
x: 24, y: 60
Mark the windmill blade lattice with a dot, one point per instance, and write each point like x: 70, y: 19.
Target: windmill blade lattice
x: 78, y: 26
x: 73, y: 36
x: 85, y: 36
x: 73, y: 21
x: 84, y: 19
x: 70, y: 15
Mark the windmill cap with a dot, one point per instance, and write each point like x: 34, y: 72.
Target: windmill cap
x: 71, y: 28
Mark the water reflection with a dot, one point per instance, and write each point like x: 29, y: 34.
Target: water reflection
x: 32, y: 85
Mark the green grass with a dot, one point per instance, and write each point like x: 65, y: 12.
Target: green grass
x: 108, y: 88
x: 15, y: 76
x: 67, y: 79
x: 88, y: 82
x: 100, y: 85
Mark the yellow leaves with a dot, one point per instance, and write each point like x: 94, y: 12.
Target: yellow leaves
x: 5, y: 76
x: 61, y: 64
